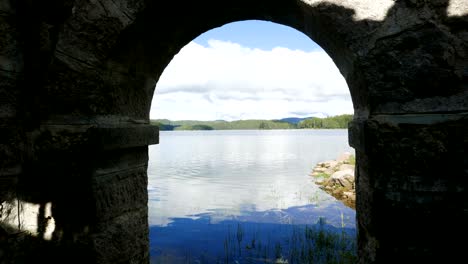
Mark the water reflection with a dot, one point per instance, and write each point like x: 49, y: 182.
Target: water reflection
x: 192, y: 172
x: 302, y: 234
x: 205, y: 184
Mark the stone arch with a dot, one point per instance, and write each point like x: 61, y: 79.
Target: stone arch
x: 78, y: 78
x: 180, y: 30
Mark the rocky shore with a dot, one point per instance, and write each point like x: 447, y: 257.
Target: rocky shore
x: 336, y: 177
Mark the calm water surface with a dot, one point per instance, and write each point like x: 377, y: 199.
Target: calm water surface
x: 214, y: 196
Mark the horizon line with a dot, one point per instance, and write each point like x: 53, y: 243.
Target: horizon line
x: 248, y: 118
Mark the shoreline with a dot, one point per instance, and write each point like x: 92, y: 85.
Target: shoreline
x: 336, y: 177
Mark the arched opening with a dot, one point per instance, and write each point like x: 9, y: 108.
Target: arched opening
x: 242, y: 191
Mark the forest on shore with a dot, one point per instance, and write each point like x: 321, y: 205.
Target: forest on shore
x: 332, y: 122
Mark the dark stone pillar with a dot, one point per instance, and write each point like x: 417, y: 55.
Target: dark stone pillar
x: 11, y: 73
x: 411, y: 186
x: 95, y: 178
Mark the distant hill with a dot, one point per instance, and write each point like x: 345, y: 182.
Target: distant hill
x: 297, y: 120
x: 293, y: 120
x: 340, y: 121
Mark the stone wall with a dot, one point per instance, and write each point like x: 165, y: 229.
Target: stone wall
x: 77, y: 78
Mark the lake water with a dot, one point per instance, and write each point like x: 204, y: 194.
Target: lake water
x: 243, y: 196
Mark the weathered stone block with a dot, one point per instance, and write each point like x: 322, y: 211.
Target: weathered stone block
x: 120, y: 192
x: 125, y: 137
x: 123, y: 239
x: 414, y: 166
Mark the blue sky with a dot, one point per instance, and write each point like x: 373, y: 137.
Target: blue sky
x: 250, y: 70
x: 259, y: 34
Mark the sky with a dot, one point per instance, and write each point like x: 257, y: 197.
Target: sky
x: 250, y: 70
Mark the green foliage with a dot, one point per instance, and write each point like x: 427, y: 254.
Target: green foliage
x: 193, y: 127
x: 339, y: 121
x: 323, y: 175
x: 302, y: 244
x: 163, y: 124
x: 221, y: 125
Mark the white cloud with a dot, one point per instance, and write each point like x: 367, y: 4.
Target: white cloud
x: 228, y: 81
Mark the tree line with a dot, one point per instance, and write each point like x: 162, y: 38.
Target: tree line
x: 339, y: 121
x: 332, y: 122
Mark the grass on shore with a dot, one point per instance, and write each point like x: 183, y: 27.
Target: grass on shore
x: 288, y: 244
